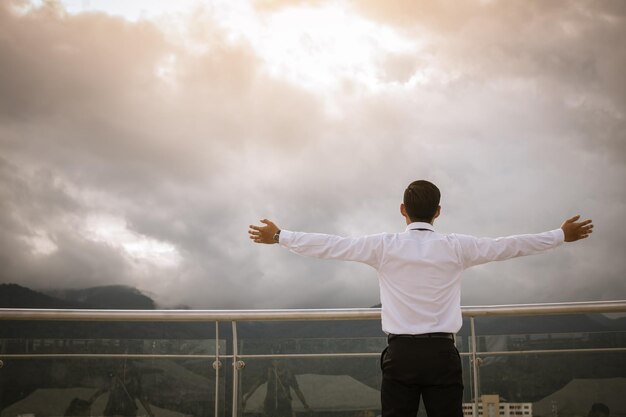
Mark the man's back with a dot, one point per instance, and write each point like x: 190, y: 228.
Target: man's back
x: 419, y: 269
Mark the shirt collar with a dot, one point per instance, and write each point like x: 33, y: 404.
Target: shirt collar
x: 420, y: 225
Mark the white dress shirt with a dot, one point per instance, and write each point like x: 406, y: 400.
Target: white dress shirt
x: 419, y: 271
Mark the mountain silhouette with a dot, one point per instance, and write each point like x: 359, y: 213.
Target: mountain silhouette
x: 107, y: 297
x: 16, y: 296
x: 104, y: 297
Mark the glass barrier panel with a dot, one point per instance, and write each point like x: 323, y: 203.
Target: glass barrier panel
x: 555, y: 384
x: 555, y: 365
x: 569, y: 331
x: 82, y: 387
x: 311, y: 337
x: 101, y: 368
x: 68, y: 337
x: 322, y: 387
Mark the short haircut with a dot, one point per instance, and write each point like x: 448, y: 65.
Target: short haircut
x: 421, y: 200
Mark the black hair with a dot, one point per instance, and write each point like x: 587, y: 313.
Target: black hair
x: 421, y: 200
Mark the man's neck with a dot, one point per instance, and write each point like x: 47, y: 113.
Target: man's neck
x: 409, y: 221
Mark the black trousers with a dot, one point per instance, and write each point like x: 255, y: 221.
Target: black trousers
x: 429, y: 368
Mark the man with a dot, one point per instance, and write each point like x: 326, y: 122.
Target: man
x: 419, y: 274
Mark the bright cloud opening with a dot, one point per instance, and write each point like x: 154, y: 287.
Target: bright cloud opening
x: 114, y: 231
x: 322, y: 47
x: 314, y: 47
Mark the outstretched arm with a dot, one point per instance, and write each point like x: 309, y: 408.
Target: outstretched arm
x: 574, y: 230
x: 366, y: 249
x: 476, y: 251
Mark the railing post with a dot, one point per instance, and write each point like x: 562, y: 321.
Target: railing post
x: 474, y: 366
x: 217, y: 366
x: 235, y: 371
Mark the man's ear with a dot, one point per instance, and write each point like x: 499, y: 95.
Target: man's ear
x: 437, y: 213
x: 403, y: 210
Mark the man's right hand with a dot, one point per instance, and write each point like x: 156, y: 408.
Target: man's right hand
x: 575, y: 230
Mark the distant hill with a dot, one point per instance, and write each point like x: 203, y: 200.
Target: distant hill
x: 16, y: 296
x: 107, y: 297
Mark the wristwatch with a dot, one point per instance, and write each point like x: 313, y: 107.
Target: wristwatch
x: 277, y: 236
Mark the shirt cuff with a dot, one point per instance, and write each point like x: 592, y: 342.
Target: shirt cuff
x: 285, y: 238
x: 559, y: 235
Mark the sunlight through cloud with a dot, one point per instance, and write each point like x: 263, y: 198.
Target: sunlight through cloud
x: 115, y: 232
x: 321, y: 47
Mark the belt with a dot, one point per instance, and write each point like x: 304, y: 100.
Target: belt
x: 450, y: 336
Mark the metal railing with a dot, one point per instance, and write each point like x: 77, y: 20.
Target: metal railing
x: 617, y: 306
x: 235, y: 316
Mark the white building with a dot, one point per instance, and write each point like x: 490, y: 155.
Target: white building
x: 490, y: 406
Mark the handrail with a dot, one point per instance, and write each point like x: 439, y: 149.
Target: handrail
x: 616, y: 306
x: 581, y: 307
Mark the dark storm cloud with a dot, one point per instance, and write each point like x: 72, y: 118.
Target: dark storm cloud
x: 521, y: 126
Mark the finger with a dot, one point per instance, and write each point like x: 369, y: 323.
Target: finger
x: 584, y: 230
x: 585, y: 223
x: 573, y: 219
x: 268, y: 222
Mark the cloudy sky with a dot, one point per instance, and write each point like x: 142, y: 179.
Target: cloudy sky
x: 139, y: 139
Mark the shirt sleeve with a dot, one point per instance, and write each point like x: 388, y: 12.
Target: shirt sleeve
x: 476, y: 251
x: 365, y: 249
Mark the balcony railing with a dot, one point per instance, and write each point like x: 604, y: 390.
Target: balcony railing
x: 556, y: 358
